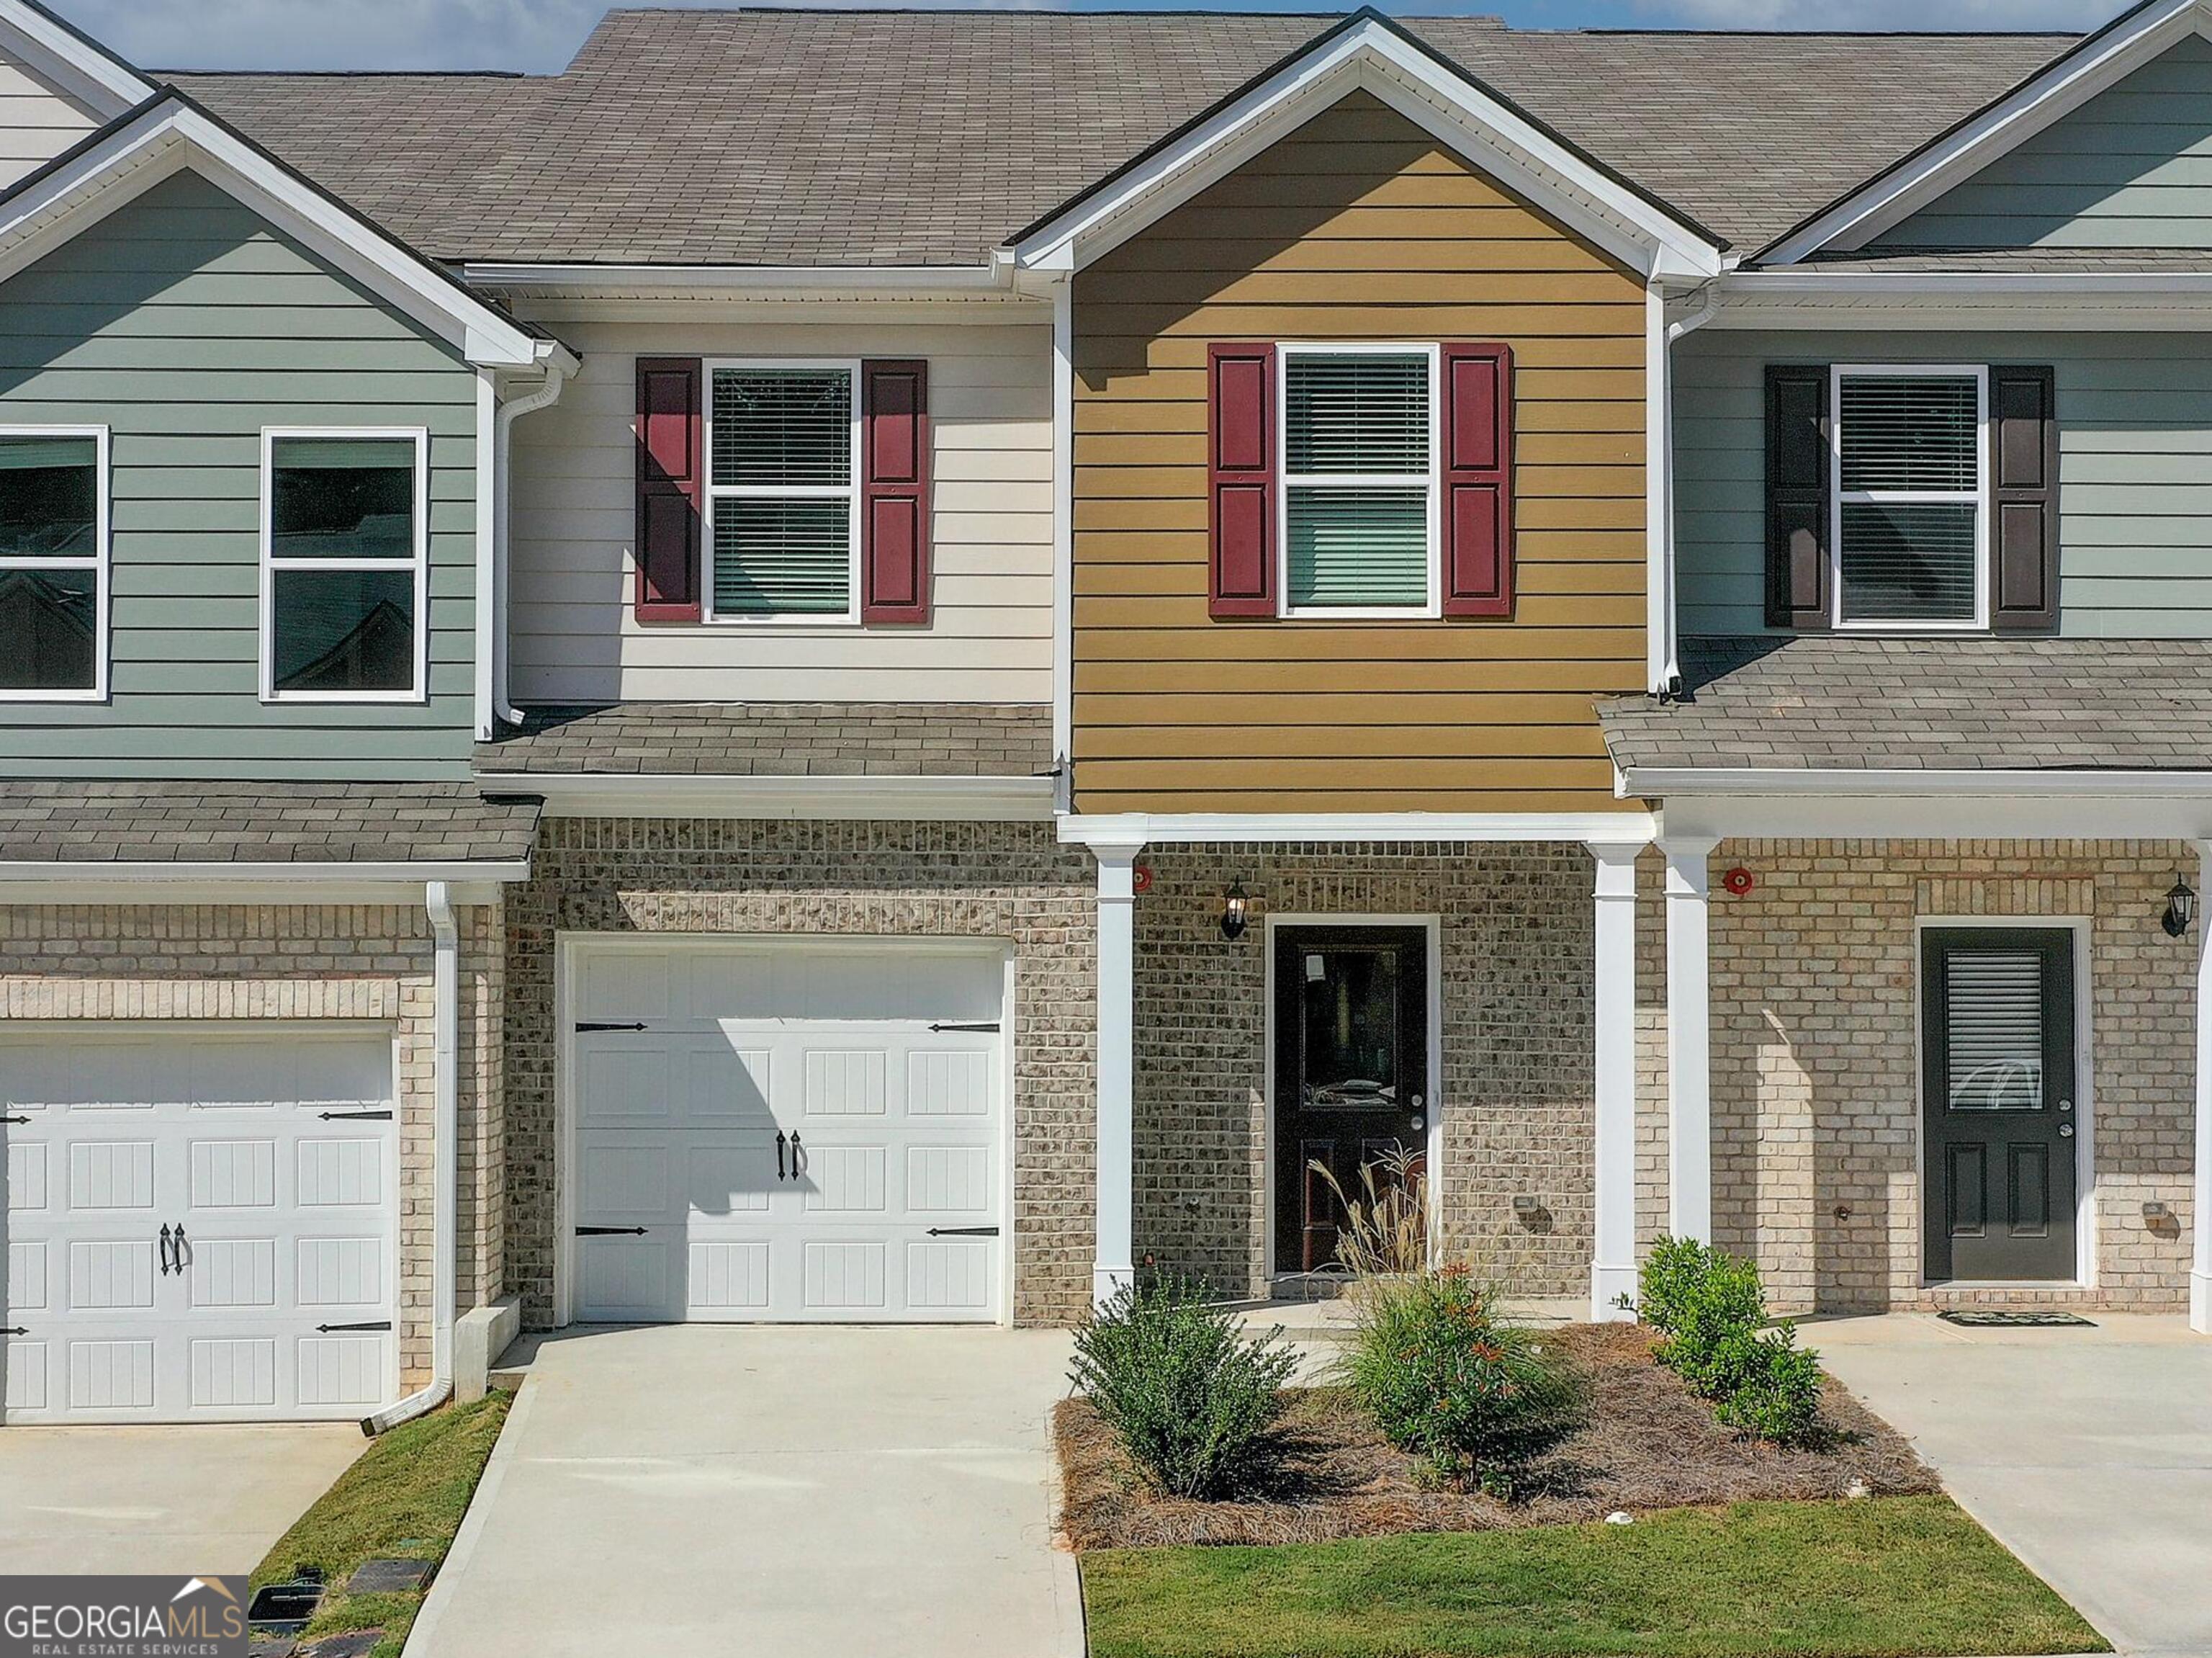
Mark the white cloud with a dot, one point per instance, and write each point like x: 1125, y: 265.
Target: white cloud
x: 1887, y: 14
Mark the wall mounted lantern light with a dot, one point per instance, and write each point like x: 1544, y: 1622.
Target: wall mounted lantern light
x: 2180, y: 909
x: 1236, y: 906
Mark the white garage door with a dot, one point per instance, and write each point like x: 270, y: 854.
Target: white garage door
x: 199, y: 1222
x: 787, y: 1132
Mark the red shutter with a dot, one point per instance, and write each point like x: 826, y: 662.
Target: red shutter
x: 895, y: 494
x: 1478, y: 484
x: 1241, y: 479
x: 671, y: 488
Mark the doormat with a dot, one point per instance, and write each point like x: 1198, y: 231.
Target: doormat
x: 1991, y: 1318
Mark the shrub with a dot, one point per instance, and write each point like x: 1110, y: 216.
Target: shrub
x: 1710, y: 1311
x: 1192, y: 1401
x: 1445, y: 1379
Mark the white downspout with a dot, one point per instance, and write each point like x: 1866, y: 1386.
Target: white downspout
x: 445, y: 1135
x: 503, y: 453
x: 1666, y: 662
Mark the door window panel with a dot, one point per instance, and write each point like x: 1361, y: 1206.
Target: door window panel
x: 1348, y: 1036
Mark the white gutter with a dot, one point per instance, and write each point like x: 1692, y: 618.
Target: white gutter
x: 446, y: 1137
x: 557, y: 373
x: 763, y: 278
x: 276, y: 874
x: 1647, y: 782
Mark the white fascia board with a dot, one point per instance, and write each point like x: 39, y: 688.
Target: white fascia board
x: 597, y: 795
x: 1649, y: 783
x: 174, y: 137
x: 883, y: 280
x: 1245, y: 828
x: 2078, y: 301
x: 73, y: 66
x: 169, y: 879
x: 2094, y: 66
x: 1929, y: 817
x: 1526, y: 160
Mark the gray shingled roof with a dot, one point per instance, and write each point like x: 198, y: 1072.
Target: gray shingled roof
x: 858, y: 138
x: 1826, y: 702
x: 2085, y: 261
x: 767, y: 739
x: 75, y: 822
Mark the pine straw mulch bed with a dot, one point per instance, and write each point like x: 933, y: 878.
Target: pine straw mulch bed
x: 1646, y: 1442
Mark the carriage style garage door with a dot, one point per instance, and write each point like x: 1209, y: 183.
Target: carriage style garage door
x: 787, y: 1130
x: 199, y: 1222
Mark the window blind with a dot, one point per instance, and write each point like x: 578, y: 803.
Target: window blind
x: 1993, y: 1030
x: 1910, y: 433
x: 783, y: 427
x: 1909, y: 497
x: 1909, y: 562
x: 1358, y: 447
x: 777, y: 557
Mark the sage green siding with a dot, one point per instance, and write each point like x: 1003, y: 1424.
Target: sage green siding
x: 2135, y: 414
x: 185, y: 324
x: 2132, y: 168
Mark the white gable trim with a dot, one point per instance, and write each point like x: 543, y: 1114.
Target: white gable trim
x: 70, y: 63
x: 171, y: 137
x: 1371, y: 56
x: 2096, y: 65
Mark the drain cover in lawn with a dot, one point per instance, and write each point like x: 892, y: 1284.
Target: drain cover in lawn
x: 1990, y: 1319
x: 389, y: 1576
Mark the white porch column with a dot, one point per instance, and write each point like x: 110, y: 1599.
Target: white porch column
x: 1689, y: 1041
x: 1114, y: 1263
x: 2200, y: 1269
x: 1612, y: 1265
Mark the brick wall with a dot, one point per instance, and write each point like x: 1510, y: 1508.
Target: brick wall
x: 1816, y: 1058
x: 1517, y: 1087
x: 1008, y: 882
x: 267, y: 961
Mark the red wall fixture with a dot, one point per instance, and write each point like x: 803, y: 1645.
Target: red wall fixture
x: 1738, y: 881
x: 1141, y: 880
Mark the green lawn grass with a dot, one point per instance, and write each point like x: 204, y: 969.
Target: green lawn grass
x: 1887, y: 1578
x: 403, y: 1500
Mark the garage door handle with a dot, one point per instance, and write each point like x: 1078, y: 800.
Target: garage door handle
x: 610, y: 1232
x: 778, y: 1154
x: 15, y: 1119
x: 14, y: 1330
x: 992, y: 1027
x: 964, y: 1232
x: 373, y: 1324
x: 165, y: 1252
x: 356, y: 1116
x: 596, y: 1025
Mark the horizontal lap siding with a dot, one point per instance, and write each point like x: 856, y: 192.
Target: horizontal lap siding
x: 36, y: 123
x: 989, y: 640
x: 186, y: 324
x: 2130, y: 169
x: 1356, y: 226
x: 2135, y: 467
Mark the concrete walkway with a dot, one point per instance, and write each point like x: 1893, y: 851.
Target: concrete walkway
x: 201, y: 1499
x: 804, y: 1493
x: 2087, y: 1452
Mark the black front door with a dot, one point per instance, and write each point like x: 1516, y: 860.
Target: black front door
x: 1352, y: 1071
x: 1999, y: 1179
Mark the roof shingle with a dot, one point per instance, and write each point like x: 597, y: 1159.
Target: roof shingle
x: 850, y: 137
x: 779, y: 740
x: 73, y: 822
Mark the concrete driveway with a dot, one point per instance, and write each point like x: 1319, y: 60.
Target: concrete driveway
x: 804, y: 1493
x: 2087, y: 1452
x: 160, y: 1499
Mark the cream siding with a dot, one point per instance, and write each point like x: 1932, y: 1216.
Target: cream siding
x: 36, y: 122
x: 575, y: 638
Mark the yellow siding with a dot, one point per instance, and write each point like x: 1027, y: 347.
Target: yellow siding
x: 1356, y: 227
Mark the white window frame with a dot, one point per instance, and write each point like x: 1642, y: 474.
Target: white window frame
x: 1838, y: 498
x: 713, y: 492
x: 100, y: 564
x: 271, y: 564
x: 1432, y: 480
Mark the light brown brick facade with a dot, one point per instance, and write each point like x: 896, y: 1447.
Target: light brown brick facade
x: 1816, y: 1058
x: 1008, y: 882
x: 1516, y: 1088
x: 266, y: 961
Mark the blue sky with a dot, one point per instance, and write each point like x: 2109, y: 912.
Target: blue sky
x: 541, y: 35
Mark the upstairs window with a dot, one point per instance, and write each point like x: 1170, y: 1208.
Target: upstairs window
x: 53, y: 564
x: 1359, y: 489
x: 1911, y: 497
x: 344, y: 539
x: 783, y: 534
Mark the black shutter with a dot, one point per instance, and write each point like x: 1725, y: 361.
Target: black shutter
x: 1797, y: 449
x: 2024, y: 499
